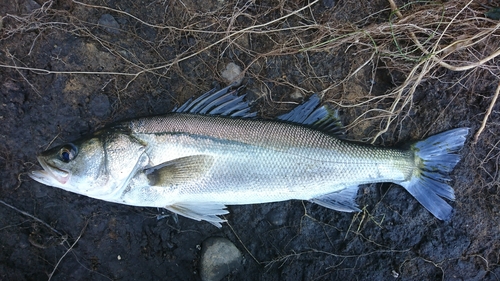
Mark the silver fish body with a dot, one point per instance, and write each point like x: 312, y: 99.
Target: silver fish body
x: 207, y: 155
x: 254, y: 161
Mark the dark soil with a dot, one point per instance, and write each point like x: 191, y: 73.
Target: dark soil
x: 86, y: 50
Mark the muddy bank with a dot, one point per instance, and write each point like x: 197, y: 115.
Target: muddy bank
x: 69, y: 68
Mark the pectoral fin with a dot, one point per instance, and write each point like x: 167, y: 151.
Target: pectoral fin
x: 180, y: 170
x: 201, y: 211
x: 343, y: 200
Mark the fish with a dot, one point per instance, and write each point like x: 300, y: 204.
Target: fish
x: 213, y: 151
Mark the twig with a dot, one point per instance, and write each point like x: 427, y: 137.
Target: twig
x: 31, y: 216
x: 72, y: 245
x: 433, y: 56
x: 468, y: 66
x: 241, y: 242
x: 45, y: 71
x: 487, y: 115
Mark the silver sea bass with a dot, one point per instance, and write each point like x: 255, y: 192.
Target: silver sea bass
x: 212, y: 152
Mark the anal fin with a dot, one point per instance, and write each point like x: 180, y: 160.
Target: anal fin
x: 179, y: 170
x: 201, y: 211
x: 343, y: 200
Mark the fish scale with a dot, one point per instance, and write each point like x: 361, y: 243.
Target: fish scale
x: 259, y: 165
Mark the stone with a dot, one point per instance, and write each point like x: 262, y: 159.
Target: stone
x: 219, y: 257
x: 232, y: 74
x: 109, y: 24
x: 100, y: 105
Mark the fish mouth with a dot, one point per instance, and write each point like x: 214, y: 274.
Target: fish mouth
x: 50, y: 175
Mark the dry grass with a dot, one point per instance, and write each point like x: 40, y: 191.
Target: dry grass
x: 417, y: 41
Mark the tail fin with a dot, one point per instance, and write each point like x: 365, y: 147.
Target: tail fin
x: 435, y: 158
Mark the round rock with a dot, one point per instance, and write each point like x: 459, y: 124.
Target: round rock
x: 219, y: 257
x: 109, y: 24
x: 277, y: 217
x: 232, y: 73
x: 100, y: 106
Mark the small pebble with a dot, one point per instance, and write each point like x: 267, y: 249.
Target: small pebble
x: 219, y: 257
x: 277, y: 217
x: 100, y: 106
x: 329, y: 3
x: 32, y: 5
x: 296, y: 95
x: 109, y: 24
x: 232, y: 74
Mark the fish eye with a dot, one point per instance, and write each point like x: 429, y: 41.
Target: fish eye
x: 68, y: 152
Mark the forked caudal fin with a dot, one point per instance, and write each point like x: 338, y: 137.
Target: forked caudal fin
x: 435, y: 158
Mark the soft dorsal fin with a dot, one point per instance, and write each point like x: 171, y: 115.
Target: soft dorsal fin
x: 224, y: 102
x: 319, y: 117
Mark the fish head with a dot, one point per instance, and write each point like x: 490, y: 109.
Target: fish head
x: 97, y: 166
x: 71, y: 165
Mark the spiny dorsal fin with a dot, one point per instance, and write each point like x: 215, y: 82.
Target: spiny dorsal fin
x: 224, y: 102
x: 319, y: 117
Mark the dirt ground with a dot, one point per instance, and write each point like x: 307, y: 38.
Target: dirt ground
x: 68, y: 68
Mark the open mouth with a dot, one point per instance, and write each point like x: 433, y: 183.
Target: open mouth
x: 50, y: 175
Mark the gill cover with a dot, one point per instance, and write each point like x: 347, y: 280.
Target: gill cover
x: 98, y: 166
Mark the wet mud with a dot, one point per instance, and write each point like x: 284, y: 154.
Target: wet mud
x: 69, y: 68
